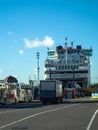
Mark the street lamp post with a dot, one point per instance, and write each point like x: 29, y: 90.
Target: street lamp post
x: 38, y: 54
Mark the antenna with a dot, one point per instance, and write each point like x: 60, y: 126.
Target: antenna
x: 66, y: 42
x: 66, y: 49
x: 72, y: 43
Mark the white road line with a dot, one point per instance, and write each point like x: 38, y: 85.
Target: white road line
x: 40, y: 113
x: 92, y: 119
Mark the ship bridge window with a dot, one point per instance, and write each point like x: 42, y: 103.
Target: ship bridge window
x: 88, y: 52
x: 62, y: 66
x: 65, y: 67
x: 77, y: 67
x: 51, y: 53
x: 59, y: 67
x: 74, y: 67
x: 71, y: 67
x: 68, y: 66
x: 56, y: 67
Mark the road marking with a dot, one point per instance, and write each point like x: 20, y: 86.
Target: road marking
x: 37, y: 114
x: 92, y: 119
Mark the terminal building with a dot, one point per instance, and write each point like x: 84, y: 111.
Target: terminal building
x: 71, y: 65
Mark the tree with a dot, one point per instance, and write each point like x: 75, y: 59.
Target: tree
x: 31, y: 82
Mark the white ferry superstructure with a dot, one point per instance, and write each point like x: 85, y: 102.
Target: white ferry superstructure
x: 68, y: 64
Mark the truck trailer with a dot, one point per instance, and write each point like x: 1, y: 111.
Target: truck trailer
x: 51, y: 91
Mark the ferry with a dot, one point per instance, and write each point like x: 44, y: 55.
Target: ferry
x: 69, y: 64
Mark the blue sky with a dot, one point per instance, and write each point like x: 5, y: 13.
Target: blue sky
x: 30, y: 26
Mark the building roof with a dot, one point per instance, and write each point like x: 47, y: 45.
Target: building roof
x: 10, y: 79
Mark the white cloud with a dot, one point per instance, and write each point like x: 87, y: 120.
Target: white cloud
x: 91, y: 62
x: 21, y: 52
x: 10, y: 33
x: 0, y: 71
x: 47, y: 41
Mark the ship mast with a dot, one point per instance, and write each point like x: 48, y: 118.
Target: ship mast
x: 66, y: 49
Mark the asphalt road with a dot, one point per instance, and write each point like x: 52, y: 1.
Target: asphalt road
x: 78, y: 114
